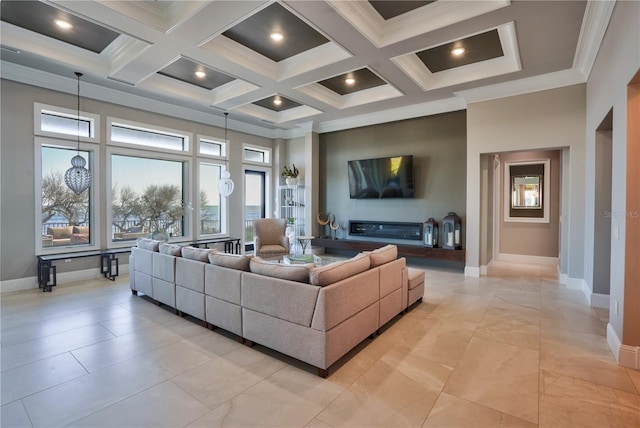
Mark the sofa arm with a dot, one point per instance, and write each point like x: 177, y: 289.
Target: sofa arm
x: 285, y: 242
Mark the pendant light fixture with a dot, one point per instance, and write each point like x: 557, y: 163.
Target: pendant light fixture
x: 225, y: 184
x: 78, y: 178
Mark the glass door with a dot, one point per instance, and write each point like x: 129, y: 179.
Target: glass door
x: 254, y: 203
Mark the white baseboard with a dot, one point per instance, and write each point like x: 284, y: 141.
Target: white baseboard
x: 563, y: 278
x: 581, y: 285
x: 614, y: 342
x: 529, y: 260
x: 472, y: 271
x: 484, y: 269
x: 629, y: 357
x: 626, y: 356
x: 599, y: 300
x: 62, y: 278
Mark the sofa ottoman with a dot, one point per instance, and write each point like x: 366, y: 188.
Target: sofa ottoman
x: 416, y: 285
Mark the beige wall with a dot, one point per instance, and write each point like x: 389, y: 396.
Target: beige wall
x: 617, y: 62
x: 531, y: 239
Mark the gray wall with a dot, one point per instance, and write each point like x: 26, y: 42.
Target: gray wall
x: 18, y: 210
x: 617, y: 62
x: 602, y: 214
x: 438, y: 144
x: 532, y: 239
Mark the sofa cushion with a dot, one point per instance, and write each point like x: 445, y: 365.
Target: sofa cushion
x: 383, y: 255
x: 170, y: 249
x: 231, y: 261
x: 338, y: 271
x: 84, y: 230
x: 199, y: 254
x: 298, y: 273
x: 60, y: 232
x: 148, y: 244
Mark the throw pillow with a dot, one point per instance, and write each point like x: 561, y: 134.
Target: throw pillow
x: 298, y: 273
x: 231, y: 261
x: 338, y: 271
x: 199, y: 254
x: 383, y: 255
x: 170, y: 249
x: 60, y: 232
x: 148, y: 244
x: 81, y: 229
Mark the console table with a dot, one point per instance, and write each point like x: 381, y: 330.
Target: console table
x: 403, y: 250
x: 231, y: 245
x: 109, y: 266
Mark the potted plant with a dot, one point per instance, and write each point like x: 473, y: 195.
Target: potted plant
x: 290, y: 175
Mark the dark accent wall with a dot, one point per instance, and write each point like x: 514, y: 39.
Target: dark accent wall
x: 438, y: 145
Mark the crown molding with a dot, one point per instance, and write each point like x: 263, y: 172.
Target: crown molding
x: 392, y: 115
x: 594, y: 26
x: 527, y: 85
x: 54, y: 82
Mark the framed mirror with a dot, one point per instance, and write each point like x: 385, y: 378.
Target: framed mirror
x: 526, y: 191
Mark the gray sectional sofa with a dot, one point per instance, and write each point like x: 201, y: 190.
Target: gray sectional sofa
x: 315, y: 314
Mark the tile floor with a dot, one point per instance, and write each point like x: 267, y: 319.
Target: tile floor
x: 511, y: 349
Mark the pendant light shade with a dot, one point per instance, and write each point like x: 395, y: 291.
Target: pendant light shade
x: 78, y: 178
x: 225, y: 183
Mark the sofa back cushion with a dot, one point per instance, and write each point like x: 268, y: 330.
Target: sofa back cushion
x: 170, y: 249
x: 298, y: 273
x: 334, y: 272
x: 60, y: 232
x: 148, y: 244
x: 82, y: 230
x: 231, y: 261
x: 383, y: 255
x: 199, y: 254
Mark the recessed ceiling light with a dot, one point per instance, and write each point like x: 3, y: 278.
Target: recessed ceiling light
x: 277, y: 101
x: 457, y: 51
x: 277, y: 36
x: 349, y: 80
x: 200, y: 74
x: 65, y: 25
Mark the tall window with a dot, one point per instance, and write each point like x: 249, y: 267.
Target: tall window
x: 148, y: 170
x: 66, y: 221
x: 147, y: 197
x: 212, y: 206
x: 66, y: 216
x: 254, y: 202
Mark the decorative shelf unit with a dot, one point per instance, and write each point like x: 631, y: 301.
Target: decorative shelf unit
x: 291, y: 202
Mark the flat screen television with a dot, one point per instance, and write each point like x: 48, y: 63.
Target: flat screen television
x: 381, y: 178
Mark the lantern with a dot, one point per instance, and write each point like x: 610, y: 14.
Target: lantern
x: 431, y: 233
x: 452, y: 232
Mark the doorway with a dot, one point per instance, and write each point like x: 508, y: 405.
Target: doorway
x: 602, y: 209
x: 254, y: 202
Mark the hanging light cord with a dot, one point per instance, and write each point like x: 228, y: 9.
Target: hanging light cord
x: 225, y: 126
x: 78, y: 75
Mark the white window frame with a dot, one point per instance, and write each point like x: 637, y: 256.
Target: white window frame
x: 94, y: 119
x: 160, y: 155
x: 188, y: 136
x: 95, y: 197
x: 207, y: 139
x: 266, y: 150
x: 224, y: 203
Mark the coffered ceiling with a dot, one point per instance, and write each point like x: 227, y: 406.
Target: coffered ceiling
x: 281, y: 68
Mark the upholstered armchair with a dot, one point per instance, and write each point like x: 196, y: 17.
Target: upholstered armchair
x: 269, y: 238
